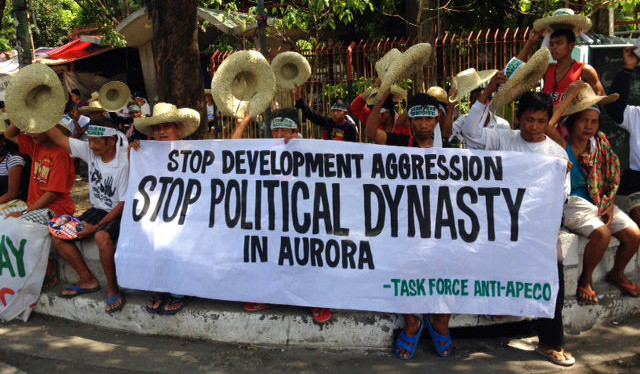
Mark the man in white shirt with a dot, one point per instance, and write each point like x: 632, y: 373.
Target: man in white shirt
x: 106, y: 153
x: 535, y: 111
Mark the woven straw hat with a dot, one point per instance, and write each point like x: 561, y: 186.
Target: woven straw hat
x: 524, y: 79
x: 167, y: 113
x: 563, y: 18
x: 439, y: 94
x: 385, y: 62
x: 243, y: 81
x: 35, y: 99
x: 94, y: 106
x: 397, y: 94
x: 405, y: 65
x: 586, y: 98
x: 468, y: 80
x: 290, y: 68
x: 114, y: 96
x: 95, y: 96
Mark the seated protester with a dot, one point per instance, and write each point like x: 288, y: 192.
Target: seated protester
x: 284, y: 125
x: 167, y: 123
x: 338, y: 126
x: 132, y: 132
x: 534, y: 111
x: 145, y: 108
x: 51, y: 181
x: 106, y: 154
x: 423, y: 118
x: 595, y: 176
x: 12, y: 168
x: 628, y: 117
x: 389, y: 120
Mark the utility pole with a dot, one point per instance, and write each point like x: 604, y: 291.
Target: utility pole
x: 262, y: 29
x: 23, y: 33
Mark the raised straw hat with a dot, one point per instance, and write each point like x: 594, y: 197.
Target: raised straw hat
x: 524, y: 78
x: 169, y: 113
x: 405, y: 65
x: 95, y: 96
x: 397, y: 94
x: 439, y: 94
x: 243, y: 81
x: 35, y: 99
x: 468, y: 80
x: 290, y: 68
x: 93, y: 106
x: 385, y: 62
x: 114, y: 96
x: 587, y: 98
x: 563, y: 18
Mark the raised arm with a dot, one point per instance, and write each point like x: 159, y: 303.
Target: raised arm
x: 473, y: 128
x: 529, y: 45
x: 308, y: 113
x: 371, y: 130
x: 558, y: 111
x: 58, y: 138
x: 241, y: 126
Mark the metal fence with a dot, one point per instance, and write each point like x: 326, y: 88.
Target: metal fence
x: 344, y: 71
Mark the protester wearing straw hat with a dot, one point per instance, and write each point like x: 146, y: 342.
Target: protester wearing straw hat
x: 595, y: 178
x: 469, y: 82
x: 106, y: 153
x: 168, y: 123
x: 534, y: 111
x: 628, y: 117
x: 389, y: 120
x: 338, y: 125
x: 561, y: 29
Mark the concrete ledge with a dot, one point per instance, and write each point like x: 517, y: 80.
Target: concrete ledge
x: 281, y: 325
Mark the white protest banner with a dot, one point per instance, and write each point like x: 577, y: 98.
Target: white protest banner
x: 344, y: 225
x: 24, y: 251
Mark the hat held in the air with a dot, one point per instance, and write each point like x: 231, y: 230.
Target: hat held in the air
x: 169, y: 113
x: 290, y: 69
x: 35, y: 99
x: 468, y: 80
x: 522, y: 77
x: 243, y: 81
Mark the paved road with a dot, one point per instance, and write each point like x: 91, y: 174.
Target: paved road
x: 50, y: 345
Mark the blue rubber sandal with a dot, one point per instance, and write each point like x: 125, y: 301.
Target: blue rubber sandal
x: 155, y: 297
x: 438, y: 339
x: 112, y: 301
x: 172, y: 300
x: 78, y: 291
x: 408, y: 343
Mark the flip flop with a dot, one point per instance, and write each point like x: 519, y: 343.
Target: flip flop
x: 321, y: 315
x: 593, y: 297
x: 438, y: 339
x: 408, y: 343
x: 627, y: 289
x: 172, y: 300
x: 552, y: 355
x: 78, y: 291
x: 154, y: 299
x: 256, y: 307
x: 113, y: 300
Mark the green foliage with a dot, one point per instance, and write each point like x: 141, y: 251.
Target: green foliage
x: 52, y: 21
x: 359, y: 85
x: 8, y: 30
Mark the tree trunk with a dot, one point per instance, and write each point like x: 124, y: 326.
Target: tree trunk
x: 177, y: 57
x: 3, y: 3
x: 600, y: 20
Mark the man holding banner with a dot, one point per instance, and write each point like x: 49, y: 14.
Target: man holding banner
x: 106, y: 154
x: 535, y: 112
x: 423, y: 119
